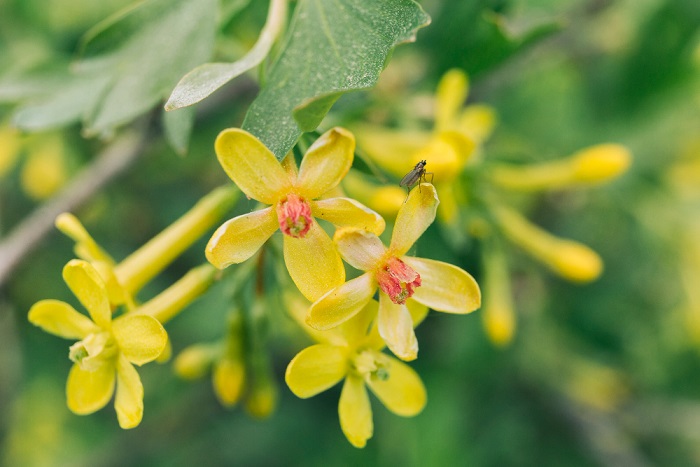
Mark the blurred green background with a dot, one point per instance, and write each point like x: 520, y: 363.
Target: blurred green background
x: 601, y: 374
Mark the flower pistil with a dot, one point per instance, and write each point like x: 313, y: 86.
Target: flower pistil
x: 398, y: 280
x: 294, y: 215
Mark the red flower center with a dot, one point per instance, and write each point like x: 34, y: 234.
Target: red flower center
x: 398, y: 280
x: 294, y: 215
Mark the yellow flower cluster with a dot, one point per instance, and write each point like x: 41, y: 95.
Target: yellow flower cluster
x: 352, y: 327
x: 108, y: 347
x: 351, y: 320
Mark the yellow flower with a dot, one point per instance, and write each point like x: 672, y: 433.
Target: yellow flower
x: 349, y: 352
x: 107, y: 349
x: 590, y: 166
x: 45, y: 170
x: 438, y: 285
x: 447, y: 149
x: 311, y: 258
x: 571, y: 260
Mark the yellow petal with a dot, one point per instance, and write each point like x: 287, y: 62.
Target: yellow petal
x: 141, y: 338
x: 86, y: 284
x: 447, y: 211
x: 445, y: 287
x: 355, y: 412
x: 61, y: 319
x: 446, y: 155
x: 362, y: 250
x: 415, y: 216
x: 341, y: 303
x: 326, y: 162
x: 477, y: 122
x: 89, y: 391
x: 601, y: 163
x: 129, y: 400
x: 313, y: 262
x: 396, y: 328
x: 115, y: 291
x: 355, y: 330
x: 241, y: 237
x: 498, y: 313
x: 402, y: 391
x: 499, y: 321
x: 229, y: 379
x: 575, y: 261
x: 251, y: 165
x: 450, y: 95
x: 316, y: 369
x: 85, y: 246
x: 346, y: 212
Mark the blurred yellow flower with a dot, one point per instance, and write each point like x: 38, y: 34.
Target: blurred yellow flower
x: 438, y: 285
x: 45, y: 169
x: 239, y: 365
x: 225, y: 359
x: 107, y: 349
x: 593, y: 165
x: 350, y: 353
x: 10, y: 145
x: 311, y: 258
x: 571, y: 260
x: 456, y: 135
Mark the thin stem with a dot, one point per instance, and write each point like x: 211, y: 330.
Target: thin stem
x: 175, y: 298
x: 110, y: 163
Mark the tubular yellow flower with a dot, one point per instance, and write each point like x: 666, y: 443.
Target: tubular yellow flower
x: 498, y: 312
x: 350, y: 353
x: 311, y: 259
x: 593, y: 165
x: 194, y: 361
x: 571, y: 260
x: 438, y: 285
x: 45, y: 169
x: 107, y: 350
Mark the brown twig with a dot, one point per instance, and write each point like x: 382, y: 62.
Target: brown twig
x: 108, y: 164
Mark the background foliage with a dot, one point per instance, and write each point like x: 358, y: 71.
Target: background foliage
x: 602, y: 374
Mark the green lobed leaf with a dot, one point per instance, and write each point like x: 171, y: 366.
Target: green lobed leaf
x: 333, y: 46
x: 129, y: 63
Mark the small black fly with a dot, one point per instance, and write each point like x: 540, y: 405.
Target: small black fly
x: 415, y: 176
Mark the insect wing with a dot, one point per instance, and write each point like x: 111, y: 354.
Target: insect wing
x: 411, y: 177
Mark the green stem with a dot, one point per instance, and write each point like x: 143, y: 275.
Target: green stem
x: 175, y: 298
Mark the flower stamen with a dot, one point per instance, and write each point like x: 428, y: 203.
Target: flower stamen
x: 294, y: 215
x: 398, y: 280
